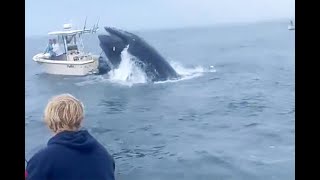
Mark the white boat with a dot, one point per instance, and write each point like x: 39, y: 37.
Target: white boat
x: 74, y: 61
x: 291, y: 26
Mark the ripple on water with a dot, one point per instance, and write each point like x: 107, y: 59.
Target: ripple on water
x: 223, y: 165
x: 251, y: 125
x: 140, y: 152
x: 145, y: 128
x: 250, y: 105
x: 112, y: 107
x: 100, y: 130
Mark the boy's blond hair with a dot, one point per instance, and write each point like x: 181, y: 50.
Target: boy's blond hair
x: 64, y: 112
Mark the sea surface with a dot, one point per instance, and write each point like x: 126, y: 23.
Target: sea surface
x: 231, y: 116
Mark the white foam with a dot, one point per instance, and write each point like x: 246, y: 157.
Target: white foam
x: 129, y: 74
x: 187, y: 73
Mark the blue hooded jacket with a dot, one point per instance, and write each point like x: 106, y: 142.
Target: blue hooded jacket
x: 72, y: 156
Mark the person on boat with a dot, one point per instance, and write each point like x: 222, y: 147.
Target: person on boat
x: 49, y: 48
x: 72, y: 153
x: 57, y: 50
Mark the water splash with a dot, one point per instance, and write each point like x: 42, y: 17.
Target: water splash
x: 130, y: 73
x: 187, y: 73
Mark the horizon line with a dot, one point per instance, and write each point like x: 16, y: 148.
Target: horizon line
x: 221, y: 24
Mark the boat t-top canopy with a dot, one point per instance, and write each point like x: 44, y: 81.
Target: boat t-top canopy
x: 68, y: 37
x: 68, y: 32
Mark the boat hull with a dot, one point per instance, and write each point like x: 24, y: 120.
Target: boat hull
x: 71, y: 68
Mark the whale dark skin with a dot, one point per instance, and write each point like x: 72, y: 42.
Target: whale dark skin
x: 154, y: 65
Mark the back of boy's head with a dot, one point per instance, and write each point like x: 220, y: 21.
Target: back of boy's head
x: 64, y: 112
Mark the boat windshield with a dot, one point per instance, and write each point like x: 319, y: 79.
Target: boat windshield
x: 72, y: 42
x: 71, y: 39
x: 60, y: 41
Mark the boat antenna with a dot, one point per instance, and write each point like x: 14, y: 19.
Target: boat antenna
x: 98, y: 23
x: 85, y: 23
x: 95, y: 26
x: 83, y: 31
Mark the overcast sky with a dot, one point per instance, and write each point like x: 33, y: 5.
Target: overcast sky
x: 43, y: 16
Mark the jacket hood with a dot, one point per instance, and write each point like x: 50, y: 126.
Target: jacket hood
x: 79, y: 140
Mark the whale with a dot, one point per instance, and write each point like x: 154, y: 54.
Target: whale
x: 147, y: 57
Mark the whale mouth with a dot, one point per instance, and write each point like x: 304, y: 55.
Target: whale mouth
x: 113, y: 43
x: 154, y: 65
x: 114, y: 38
x: 124, y: 36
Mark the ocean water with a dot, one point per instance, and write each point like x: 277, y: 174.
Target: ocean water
x: 232, y: 116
